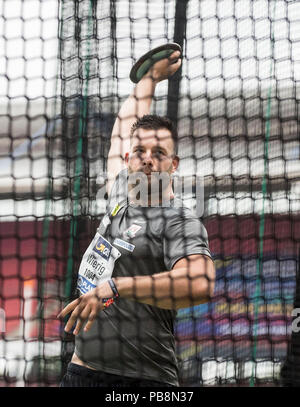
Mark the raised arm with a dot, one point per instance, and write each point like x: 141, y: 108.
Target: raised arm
x: 135, y: 106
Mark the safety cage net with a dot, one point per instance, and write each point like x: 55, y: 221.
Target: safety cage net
x: 235, y: 101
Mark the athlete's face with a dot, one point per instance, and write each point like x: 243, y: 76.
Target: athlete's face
x: 152, y: 151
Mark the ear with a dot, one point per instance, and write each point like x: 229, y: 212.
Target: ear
x: 175, y: 163
x: 126, y: 159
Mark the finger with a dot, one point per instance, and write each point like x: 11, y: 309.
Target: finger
x: 73, y: 318
x: 68, y: 308
x: 81, y: 318
x: 175, y: 55
x: 174, y: 67
x: 91, y: 320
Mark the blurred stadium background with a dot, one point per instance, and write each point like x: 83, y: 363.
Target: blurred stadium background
x: 64, y: 72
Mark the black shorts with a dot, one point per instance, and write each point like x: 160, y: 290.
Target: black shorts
x: 80, y: 376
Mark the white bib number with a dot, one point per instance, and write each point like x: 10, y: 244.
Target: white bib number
x: 97, y: 264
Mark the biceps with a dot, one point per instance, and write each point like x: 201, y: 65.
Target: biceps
x: 197, y: 265
x: 119, y: 147
x: 115, y: 161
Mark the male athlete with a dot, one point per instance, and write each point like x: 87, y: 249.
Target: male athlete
x: 149, y: 258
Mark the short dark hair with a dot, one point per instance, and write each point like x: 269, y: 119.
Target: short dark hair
x: 155, y: 122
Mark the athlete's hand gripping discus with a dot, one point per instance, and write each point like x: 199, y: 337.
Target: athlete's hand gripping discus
x: 145, y: 62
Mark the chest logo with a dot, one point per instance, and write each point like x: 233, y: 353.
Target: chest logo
x: 125, y: 245
x: 132, y: 231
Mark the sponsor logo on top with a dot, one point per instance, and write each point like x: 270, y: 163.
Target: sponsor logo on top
x: 125, y: 245
x: 132, y: 231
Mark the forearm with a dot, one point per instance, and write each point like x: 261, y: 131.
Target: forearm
x: 138, y: 103
x: 174, y: 289
x: 135, y: 106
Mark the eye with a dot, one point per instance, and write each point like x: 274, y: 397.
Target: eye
x: 159, y: 153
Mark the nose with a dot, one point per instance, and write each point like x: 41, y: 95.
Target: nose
x: 147, y: 159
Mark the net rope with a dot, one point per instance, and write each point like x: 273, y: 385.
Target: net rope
x: 264, y: 191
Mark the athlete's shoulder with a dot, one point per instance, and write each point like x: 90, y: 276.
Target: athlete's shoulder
x: 181, y: 219
x: 119, y: 190
x: 178, y: 209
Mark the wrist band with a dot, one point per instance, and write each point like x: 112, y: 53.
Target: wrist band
x: 114, y: 288
x: 108, y: 301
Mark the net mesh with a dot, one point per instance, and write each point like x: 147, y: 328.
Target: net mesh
x: 64, y: 76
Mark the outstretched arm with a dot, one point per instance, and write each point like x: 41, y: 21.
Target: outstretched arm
x: 135, y: 106
x: 191, y: 282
